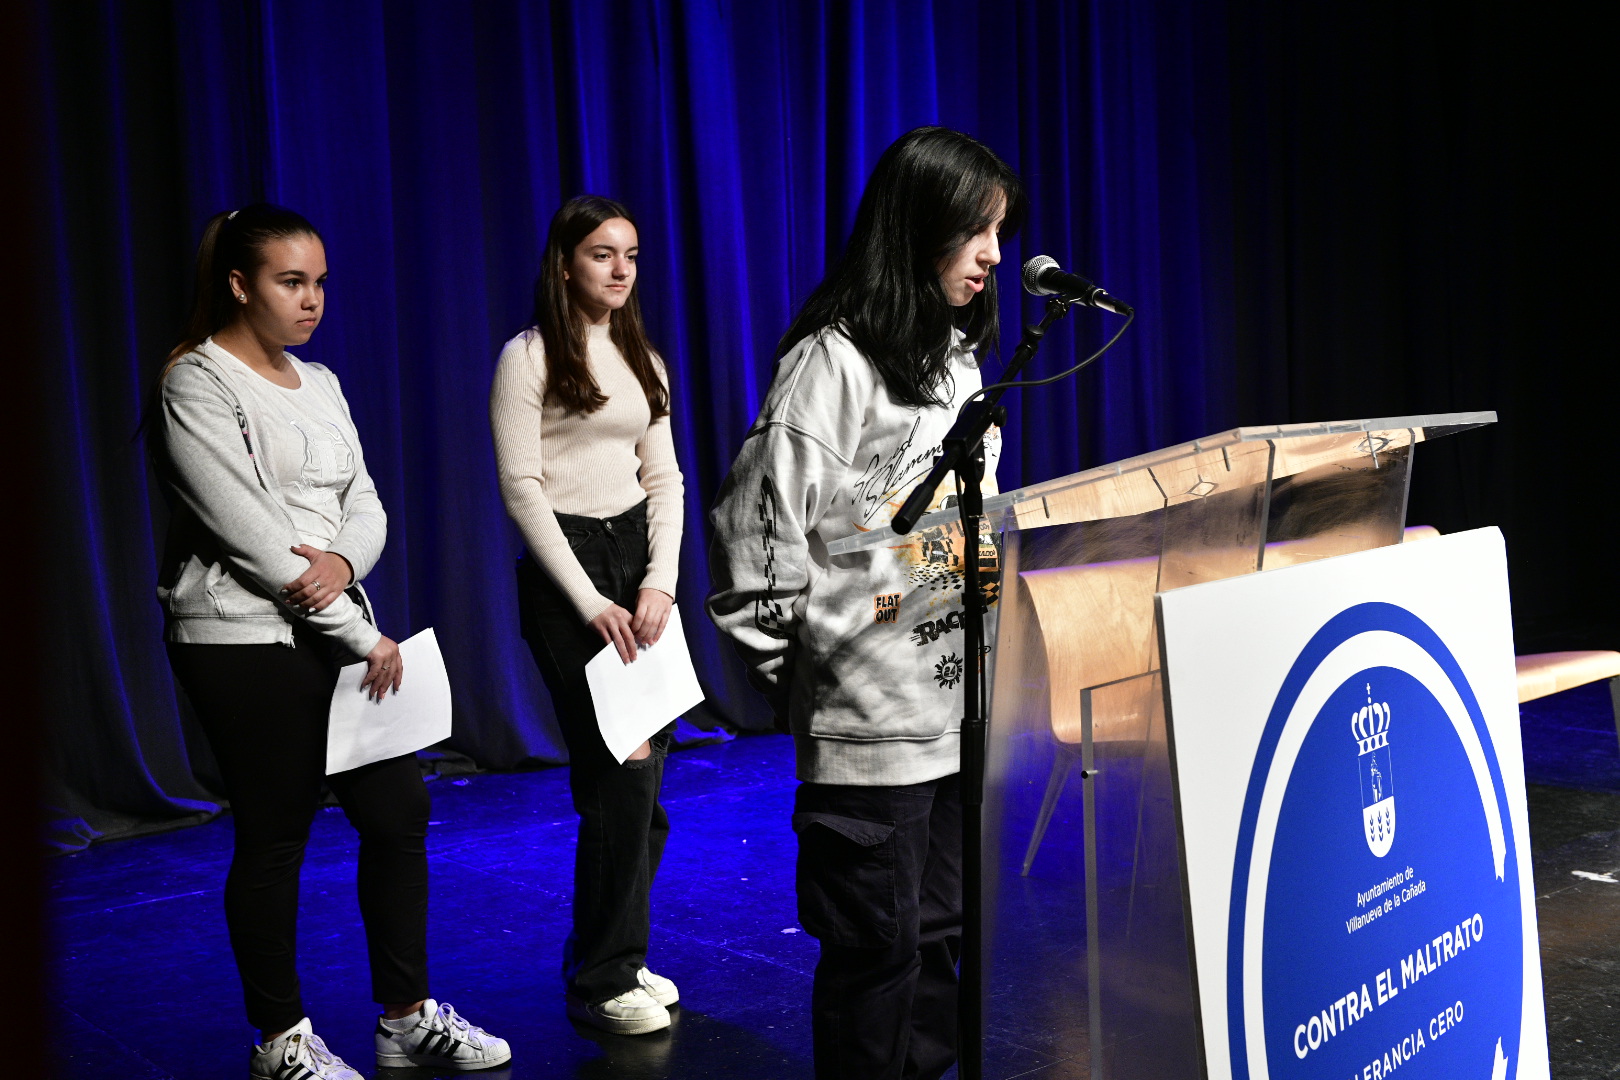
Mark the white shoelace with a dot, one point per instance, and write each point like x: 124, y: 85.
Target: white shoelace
x: 458, y: 1026
x: 311, y: 1042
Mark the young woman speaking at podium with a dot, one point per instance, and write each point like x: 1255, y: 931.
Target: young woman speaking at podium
x: 868, y: 380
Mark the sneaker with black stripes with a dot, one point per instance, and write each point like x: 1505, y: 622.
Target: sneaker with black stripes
x: 436, y: 1036
x: 297, y: 1054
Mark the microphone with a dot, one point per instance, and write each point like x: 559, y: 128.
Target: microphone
x: 1044, y: 277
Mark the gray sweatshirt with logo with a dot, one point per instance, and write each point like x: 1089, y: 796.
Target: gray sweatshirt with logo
x: 228, y: 550
x: 862, y: 653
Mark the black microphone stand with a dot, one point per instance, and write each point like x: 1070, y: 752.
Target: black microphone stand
x: 962, y: 452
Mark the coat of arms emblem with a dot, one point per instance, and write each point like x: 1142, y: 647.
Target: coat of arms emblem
x: 1370, y: 725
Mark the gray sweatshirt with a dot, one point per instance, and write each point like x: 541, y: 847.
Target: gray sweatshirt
x: 861, y: 653
x: 228, y: 550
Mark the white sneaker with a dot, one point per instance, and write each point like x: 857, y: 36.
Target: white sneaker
x: 658, y: 988
x: 441, y: 1039
x: 633, y: 1012
x: 298, y: 1054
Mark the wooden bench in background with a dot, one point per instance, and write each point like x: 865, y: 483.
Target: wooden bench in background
x: 1546, y: 673
x: 1541, y: 674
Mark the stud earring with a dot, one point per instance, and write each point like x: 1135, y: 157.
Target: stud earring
x: 241, y: 298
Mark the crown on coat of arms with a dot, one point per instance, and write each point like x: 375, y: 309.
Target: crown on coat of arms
x: 1370, y: 724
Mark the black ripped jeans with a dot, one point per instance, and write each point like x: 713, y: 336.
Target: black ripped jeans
x: 880, y: 886
x: 621, y: 825
x: 265, y: 709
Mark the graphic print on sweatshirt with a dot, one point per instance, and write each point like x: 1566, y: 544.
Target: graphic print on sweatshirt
x: 328, y: 459
x: 879, y: 490
x: 933, y: 560
x: 768, y: 614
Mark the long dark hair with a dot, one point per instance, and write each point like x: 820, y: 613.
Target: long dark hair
x: 232, y: 240
x: 562, y: 326
x: 932, y: 190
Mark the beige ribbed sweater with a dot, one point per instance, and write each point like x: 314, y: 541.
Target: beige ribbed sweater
x: 596, y: 464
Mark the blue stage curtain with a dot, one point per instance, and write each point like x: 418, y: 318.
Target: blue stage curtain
x: 430, y: 142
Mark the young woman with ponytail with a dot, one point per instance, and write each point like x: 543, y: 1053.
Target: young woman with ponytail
x: 275, y: 521
x: 580, y: 412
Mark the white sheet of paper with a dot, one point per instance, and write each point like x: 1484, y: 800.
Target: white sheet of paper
x: 363, y: 730
x: 634, y: 700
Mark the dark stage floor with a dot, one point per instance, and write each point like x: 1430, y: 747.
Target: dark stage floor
x: 145, y: 990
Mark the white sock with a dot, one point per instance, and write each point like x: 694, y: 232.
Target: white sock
x: 404, y: 1023
x: 267, y: 1043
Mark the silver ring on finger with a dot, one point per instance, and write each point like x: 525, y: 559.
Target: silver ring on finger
x: 317, y: 586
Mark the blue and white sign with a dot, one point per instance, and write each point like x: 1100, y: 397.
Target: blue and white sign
x: 1351, y: 794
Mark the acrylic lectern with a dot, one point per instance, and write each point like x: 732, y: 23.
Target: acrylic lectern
x: 1086, y: 946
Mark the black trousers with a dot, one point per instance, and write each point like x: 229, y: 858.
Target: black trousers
x: 264, y: 709
x: 880, y: 885
x: 622, y: 827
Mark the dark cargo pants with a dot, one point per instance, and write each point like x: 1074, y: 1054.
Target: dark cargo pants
x: 880, y: 886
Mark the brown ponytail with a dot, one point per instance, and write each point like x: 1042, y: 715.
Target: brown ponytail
x: 233, y: 240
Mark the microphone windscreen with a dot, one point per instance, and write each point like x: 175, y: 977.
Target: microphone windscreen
x: 1032, y: 274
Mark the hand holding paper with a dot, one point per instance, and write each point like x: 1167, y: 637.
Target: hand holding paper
x: 652, y: 615
x: 633, y: 701
x: 363, y: 730
x: 385, y: 669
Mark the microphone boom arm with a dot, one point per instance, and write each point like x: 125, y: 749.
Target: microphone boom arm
x: 974, y: 421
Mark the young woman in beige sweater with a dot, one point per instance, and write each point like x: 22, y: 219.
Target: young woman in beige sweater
x: 580, y: 412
